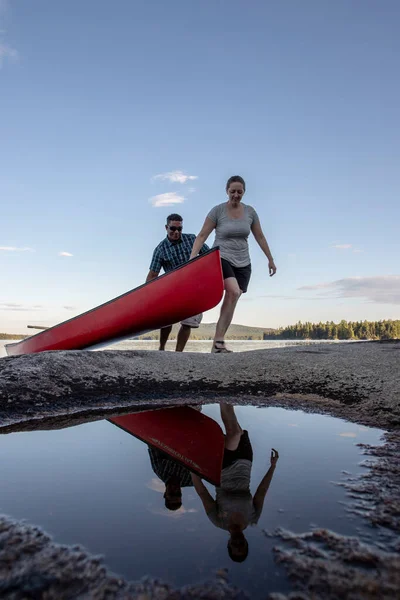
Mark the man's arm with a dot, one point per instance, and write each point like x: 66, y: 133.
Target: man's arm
x: 155, y: 266
x: 151, y: 275
x: 262, y: 489
x: 204, y: 495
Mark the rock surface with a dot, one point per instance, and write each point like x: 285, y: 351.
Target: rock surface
x: 359, y: 381
x: 33, y: 566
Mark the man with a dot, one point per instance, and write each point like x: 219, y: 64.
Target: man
x: 234, y: 507
x: 174, y: 475
x: 173, y: 252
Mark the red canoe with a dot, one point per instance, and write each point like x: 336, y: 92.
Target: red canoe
x: 189, y: 437
x: 195, y: 287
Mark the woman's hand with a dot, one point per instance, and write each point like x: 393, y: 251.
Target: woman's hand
x: 274, y: 457
x: 272, y: 268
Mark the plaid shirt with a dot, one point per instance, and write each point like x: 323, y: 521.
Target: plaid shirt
x: 165, y: 467
x: 169, y: 255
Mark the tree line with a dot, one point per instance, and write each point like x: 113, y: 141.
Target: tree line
x: 345, y: 330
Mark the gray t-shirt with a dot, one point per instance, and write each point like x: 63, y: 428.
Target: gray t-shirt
x: 234, y: 496
x: 231, y: 234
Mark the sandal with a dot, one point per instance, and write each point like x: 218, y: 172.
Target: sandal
x: 220, y: 348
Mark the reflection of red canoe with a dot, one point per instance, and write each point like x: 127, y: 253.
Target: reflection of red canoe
x: 193, y: 288
x: 189, y: 437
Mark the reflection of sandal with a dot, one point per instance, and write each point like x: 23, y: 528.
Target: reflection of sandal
x: 219, y: 347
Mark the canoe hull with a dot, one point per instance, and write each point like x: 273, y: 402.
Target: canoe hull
x: 189, y: 437
x: 191, y: 289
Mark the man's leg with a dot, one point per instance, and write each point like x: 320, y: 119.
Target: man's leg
x: 183, y: 336
x: 184, y: 333
x: 164, y: 335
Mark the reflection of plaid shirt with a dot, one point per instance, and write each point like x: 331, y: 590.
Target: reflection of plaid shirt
x: 164, y: 467
x: 169, y: 255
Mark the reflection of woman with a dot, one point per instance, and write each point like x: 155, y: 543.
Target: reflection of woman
x: 233, y: 221
x: 234, y: 508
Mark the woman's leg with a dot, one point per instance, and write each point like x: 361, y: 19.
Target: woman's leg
x: 232, y: 428
x: 232, y: 295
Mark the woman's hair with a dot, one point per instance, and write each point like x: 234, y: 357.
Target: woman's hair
x: 235, y: 179
x: 242, y: 554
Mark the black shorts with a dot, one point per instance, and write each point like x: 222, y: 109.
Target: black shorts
x: 244, y: 450
x: 241, y: 274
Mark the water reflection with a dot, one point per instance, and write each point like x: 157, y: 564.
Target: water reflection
x: 93, y: 485
x: 183, y: 435
x: 234, y: 507
x: 174, y: 475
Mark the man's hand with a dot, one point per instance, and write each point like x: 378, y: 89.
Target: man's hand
x: 151, y: 275
x: 274, y: 457
x: 272, y: 268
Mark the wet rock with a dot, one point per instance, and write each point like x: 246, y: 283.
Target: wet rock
x: 375, y: 494
x: 356, y: 381
x: 327, y: 566
x: 33, y: 566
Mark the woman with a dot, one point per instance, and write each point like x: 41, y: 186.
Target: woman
x: 234, y: 507
x: 233, y: 220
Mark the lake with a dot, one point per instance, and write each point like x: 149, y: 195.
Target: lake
x: 201, y: 345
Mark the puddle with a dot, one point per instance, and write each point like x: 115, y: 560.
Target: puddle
x: 94, y: 485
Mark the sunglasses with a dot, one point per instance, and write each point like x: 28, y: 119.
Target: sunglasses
x: 173, y: 228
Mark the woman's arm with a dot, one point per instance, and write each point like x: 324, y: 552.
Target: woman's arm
x: 207, y: 228
x: 205, y: 496
x: 262, y: 242
x: 262, y: 489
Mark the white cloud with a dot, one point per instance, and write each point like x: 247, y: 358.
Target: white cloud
x: 12, y: 306
x: 3, y: 6
x: 382, y: 289
x: 7, y: 53
x: 171, y: 514
x: 175, y: 177
x: 69, y: 307
x: 15, y: 249
x: 168, y: 199
x: 357, y: 251
x: 342, y: 246
x: 283, y: 297
x: 65, y: 254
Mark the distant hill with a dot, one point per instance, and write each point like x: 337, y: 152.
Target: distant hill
x: 206, y: 331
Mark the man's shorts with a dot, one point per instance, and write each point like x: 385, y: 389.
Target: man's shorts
x: 193, y: 322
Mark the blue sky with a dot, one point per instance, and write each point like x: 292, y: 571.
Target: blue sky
x: 300, y: 98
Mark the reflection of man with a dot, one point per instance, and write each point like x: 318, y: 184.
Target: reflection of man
x: 174, y: 475
x: 234, y: 508
x: 172, y: 252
